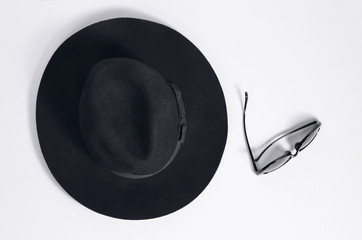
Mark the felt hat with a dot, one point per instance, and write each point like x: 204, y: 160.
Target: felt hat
x: 131, y: 118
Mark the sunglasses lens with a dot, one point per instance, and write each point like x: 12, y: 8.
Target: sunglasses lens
x: 309, y: 139
x: 276, y: 164
x: 273, y: 158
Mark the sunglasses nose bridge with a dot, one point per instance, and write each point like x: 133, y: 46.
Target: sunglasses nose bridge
x: 294, y: 152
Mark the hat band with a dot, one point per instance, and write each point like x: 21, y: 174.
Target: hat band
x: 181, y: 112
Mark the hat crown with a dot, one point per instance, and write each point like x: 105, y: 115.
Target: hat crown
x: 129, y: 117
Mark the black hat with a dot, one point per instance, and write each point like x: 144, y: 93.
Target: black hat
x: 131, y: 118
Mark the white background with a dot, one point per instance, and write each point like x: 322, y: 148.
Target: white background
x: 297, y: 59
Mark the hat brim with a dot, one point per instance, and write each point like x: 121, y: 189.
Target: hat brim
x: 65, y: 152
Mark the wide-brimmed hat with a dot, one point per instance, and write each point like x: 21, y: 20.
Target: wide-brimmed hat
x: 131, y: 118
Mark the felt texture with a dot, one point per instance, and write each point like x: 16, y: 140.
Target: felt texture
x: 66, y: 152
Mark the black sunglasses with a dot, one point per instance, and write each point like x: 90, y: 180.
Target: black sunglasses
x: 282, y: 148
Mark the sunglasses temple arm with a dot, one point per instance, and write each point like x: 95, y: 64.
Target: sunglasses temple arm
x: 246, y: 135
